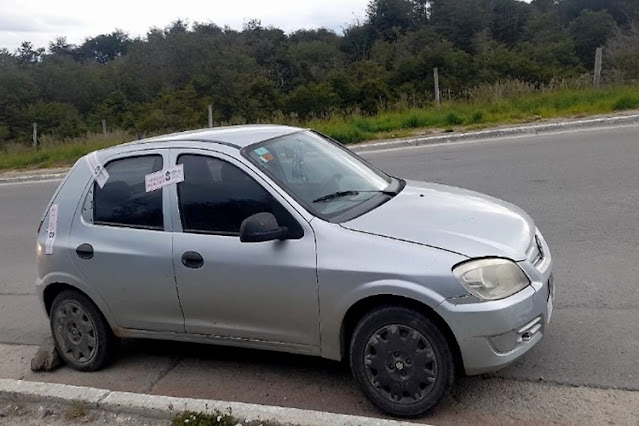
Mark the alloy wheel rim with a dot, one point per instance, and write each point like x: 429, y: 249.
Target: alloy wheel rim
x: 400, y: 364
x: 75, y: 332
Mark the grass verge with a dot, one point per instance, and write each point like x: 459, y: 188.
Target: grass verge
x: 474, y: 115
x: 402, y: 122
x: 56, y: 153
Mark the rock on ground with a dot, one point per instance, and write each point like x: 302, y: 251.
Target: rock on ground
x: 47, y: 358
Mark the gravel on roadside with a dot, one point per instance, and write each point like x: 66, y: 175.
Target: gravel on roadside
x: 25, y: 413
x: 21, y: 413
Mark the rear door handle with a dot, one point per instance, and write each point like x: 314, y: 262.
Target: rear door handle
x: 192, y: 259
x: 85, y: 251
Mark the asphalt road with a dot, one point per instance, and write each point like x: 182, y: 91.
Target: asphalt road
x: 582, y: 188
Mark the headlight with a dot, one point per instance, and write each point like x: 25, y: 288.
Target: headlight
x: 491, y: 279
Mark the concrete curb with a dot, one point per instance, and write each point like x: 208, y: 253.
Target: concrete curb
x: 165, y: 407
x: 499, y: 133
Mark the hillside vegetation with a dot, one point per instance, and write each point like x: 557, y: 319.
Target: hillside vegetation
x: 498, y: 60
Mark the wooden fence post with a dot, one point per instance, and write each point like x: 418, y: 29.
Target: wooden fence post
x: 104, y: 127
x: 437, y: 94
x: 598, y: 67
x: 210, y: 116
x: 35, y: 135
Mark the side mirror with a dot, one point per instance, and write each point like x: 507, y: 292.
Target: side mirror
x: 261, y: 227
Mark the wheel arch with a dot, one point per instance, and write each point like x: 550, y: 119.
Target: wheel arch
x: 52, y: 290
x: 358, y: 310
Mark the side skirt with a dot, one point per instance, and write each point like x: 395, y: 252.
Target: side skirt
x: 128, y: 333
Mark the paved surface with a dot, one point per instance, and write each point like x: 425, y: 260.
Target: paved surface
x: 582, y: 188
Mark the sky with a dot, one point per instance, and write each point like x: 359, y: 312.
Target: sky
x: 41, y: 21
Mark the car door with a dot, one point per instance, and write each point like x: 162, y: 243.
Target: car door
x: 257, y: 291
x: 123, y: 245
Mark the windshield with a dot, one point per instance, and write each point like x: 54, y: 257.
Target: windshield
x: 325, y: 178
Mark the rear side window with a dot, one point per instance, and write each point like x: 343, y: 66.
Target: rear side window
x: 124, y: 201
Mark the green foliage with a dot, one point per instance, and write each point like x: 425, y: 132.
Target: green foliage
x: 626, y: 102
x: 307, y: 101
x: 498, y: 104
x: 454, y: 119
x: 55, y: 152
x: 191, y: 418
x: 591, y: 30
x: 166, y: 80
x: 55, y: 119
x: 622, y: 51
x: 478, y: 117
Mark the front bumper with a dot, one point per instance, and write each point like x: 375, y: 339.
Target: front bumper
x: 493, y: 334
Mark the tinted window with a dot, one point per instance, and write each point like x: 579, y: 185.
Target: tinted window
x: 216, y: 197
x: 123, y: 201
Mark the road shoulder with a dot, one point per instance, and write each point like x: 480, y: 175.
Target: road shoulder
x: 559, y: 125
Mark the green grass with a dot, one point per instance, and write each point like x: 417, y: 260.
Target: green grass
x: 402, y: 122
x: 520, y: 109
x: 56, y: 153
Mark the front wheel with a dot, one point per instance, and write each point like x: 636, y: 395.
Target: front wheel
x: 401, y: 360
x: 82, y: 335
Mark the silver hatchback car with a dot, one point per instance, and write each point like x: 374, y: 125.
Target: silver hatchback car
x: 275, y: 237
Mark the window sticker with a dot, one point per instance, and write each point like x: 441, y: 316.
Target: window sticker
x: 164, y: 177
x: 261, y: 151
x: 97, y: 169
x: 52, y: 229
x: 267, y: 157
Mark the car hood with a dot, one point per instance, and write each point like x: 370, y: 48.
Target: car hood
x: 453, y: 219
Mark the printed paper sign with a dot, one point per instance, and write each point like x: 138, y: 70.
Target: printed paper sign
x: 164, y: 177
x: 52, y: 229
x: 99, y: 172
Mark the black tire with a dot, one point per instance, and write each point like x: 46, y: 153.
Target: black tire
x: 401, y: 360
x: 82, y: 335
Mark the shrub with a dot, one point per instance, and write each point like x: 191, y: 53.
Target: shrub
x: 478, y: 117
x: 625, y: 102
x: 453, y: 119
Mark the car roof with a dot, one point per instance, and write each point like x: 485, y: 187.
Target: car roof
x: 236, y: 136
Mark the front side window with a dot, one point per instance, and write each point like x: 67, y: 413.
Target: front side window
x: 217, y: 196
x: 326, y: 179
x: 123, y: 201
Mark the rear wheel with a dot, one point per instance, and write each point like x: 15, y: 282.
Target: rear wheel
x: 401, y: 360
x: 82, y: 335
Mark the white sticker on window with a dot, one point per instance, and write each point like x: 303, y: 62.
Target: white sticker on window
x: 97, y: 169
x: 164, y: 177
x: 52, y: 229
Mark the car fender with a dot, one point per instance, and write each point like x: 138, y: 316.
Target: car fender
x: 332, y: 317
x: 73, y: 281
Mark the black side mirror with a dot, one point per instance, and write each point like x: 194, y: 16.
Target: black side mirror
x: 261, y: 227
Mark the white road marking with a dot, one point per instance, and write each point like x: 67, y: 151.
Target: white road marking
x: 24, y: 182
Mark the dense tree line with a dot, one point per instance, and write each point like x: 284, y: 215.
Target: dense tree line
x: 165, y: 80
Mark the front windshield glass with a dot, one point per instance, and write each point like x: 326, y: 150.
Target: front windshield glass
x: 326, y: 179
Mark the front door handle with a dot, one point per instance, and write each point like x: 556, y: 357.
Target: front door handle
x: 85, y: 251
x: 192, y: 259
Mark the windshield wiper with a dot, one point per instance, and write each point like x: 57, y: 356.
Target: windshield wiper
x: 339, y: 194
